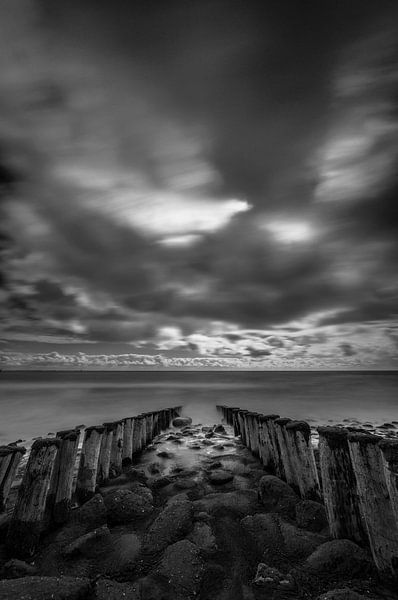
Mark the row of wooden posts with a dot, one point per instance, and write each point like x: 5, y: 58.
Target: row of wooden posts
x: 357, y: 478
x: 49, y: 485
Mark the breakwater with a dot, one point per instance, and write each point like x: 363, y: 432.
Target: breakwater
x: 49, y: 486
x: 356, y: 477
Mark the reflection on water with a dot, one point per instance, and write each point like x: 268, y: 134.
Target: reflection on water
x: 37, y: 403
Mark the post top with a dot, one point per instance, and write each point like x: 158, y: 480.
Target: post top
x: 363, y: 438
x: 270, y: 417
x: 6, y: 450
x: 98, y: 428
x: 283, y: 420
x: 45, y: 443
x: 67, y: 432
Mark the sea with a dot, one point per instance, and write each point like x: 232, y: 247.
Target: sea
x: 40, y: 403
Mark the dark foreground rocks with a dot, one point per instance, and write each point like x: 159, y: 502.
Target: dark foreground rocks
x: 199, y: 519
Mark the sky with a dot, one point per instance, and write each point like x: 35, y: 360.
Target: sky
x: 198, y: 184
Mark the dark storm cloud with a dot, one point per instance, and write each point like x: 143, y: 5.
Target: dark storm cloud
x: 133, y: 126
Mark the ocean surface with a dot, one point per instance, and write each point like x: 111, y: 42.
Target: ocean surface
x: 36, y: 404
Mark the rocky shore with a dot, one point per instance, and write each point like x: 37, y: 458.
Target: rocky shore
x: 196, y: 517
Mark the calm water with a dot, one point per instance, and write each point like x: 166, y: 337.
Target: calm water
x: 36, y: 403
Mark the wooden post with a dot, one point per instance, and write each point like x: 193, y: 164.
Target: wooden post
x: 117, y: 449
x: 339, y: 486
x: 375, y: 501
x: 389, y: 450
x: 10, y: 457
x: 127, y: 452
x: 235, y: 421
x: 156, y: 423
x: 104, y: 460
x: 137, y: 434
x: 29, y: 518
x: 275, y: 446
x: 286, y: 467
x: 242, y: 425
x: 149, y: 424
x: 60, y: 495
x: 302, y: 460
x: 88, y: 468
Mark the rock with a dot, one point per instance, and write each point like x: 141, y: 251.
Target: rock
x: 106, y: 589
x: 134, y: 474
x: 173, y: 523
x: 18, y: 568
x: 220, y: 477
x: 202, y: 536
x: 195, y: 447
x: 124, y: 506
x: 92, y: 514
x: 267, y: 575
x: 277, y: 496
x: 182, y: 566
x: 342, y: 594
x: 184, y: 484
x: 239, y: 502
x: 219, y: 429
x: 273, y: 537
x: 209, y: 435
x: 90, y: 544
x: 45, y: 588
x: 125, y: 553
x: 207, y: 429
x: 215, y: 465
x: 182, y: 421
x: 341, y: 557
x: 141, y: 490
x: 165, y: 454
x: 311, y: 515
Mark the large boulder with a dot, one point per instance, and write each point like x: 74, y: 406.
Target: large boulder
x: 124, y: 506
x: 219, y: 477
x: 91, y: 544
x: 239, y: 502
x: 106, y: 589
x: 18, y: 568
x: 182, y: 421
x: 92, y: 514
x: 124, y: 555
x: 343, y: 594
x: 338, y: 557
x: 182, y: 566
x: 277, y: 496
x: 202, y: 535
x: 173, y: 523
x: 311, y: 515
x: 45, y: 588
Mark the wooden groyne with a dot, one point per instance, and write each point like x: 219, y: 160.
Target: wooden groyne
x: 357, y: 477
x: 49, y: 486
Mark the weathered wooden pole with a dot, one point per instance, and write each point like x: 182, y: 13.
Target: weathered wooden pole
x: 302, y: 459
x: 389, y: 450
x: 156, y: 415
x: 235, y: 421
x: 104, y: 460
x: 10, y: 457
x: 60, y: 495
x: 148, y: 427
x: 268, y: 451
x: 286, y: 467
x: 88, y: 467
x: 242, y: 426
x: 375, y: 501
x: 137, y: 434
x: 29, y: 518
x: 127, y: 451
x: 339, y: 486
x: 274, y: 445
x: 116, y: 450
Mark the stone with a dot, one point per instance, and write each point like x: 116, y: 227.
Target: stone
x: 45, y: 588
x: 18, y: 568
x: 92, y: 514
x: 220, y: 477
x: 91, y: 544
x: 124, y: 506
x: 125, y: 553
x: 215, y: 465
x: 342, y: 594
x: 219, y: 429
x: 202, y: 535
x: 311, y: 515
x: 277, y: 496
x: 106, y: 589
x: 183, y: 567
x: 141, y: 490
x: 341, y: 557
x: 165, y: 454
x: 267, y: 575
x: 239, y: 502
x: 182, y: 421
x: 173, y: 523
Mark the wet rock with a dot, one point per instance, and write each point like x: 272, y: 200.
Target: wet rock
x: 202, y: 536
x: 184, y: 484
x: 277, y: 496
x: 267, y: 575
x: 183, y: 567
x: 215, y: 465
x: 124, y: 506
x: 91, y: 544
x: 220, y: 477
x: 342, y: 594
x: 106, y: 589
x: 209, y: 435
x: 207, y: 443
x: 141, y: 490
x: 195, y: 447
x: 207, y: 429
x: 341, y: 557
x: 125, y: 553
x: 92, y: 514
x: 18, y: 568
x: 173, y: 523
x: 154, y: 468
x: 182, y: 421
x: 160, y: 482
x: 387, y: 426
x: 219, y: 429
x: 311, y: 515
x: 178, y: 441
x: 165, y: 454
x: 134, y: 474
x: 44, y: 588
x: 239, y: 502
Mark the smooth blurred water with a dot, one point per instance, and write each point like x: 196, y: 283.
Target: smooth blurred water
x: 37, y: 403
